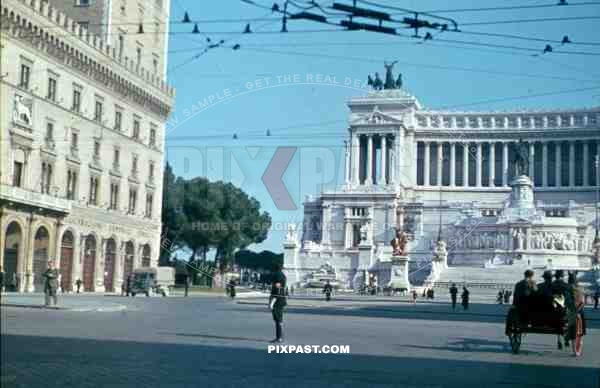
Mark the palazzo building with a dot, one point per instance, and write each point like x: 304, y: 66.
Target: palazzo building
x: 84, y: 103
x: 448, y: 174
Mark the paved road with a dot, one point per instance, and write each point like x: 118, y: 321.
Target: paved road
x: 214, y: 342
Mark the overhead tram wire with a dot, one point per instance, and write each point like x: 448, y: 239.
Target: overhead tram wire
x: 535, y: 20
x: 424, y: 65
x: 514, y: 7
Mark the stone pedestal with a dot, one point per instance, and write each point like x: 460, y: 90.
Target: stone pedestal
x: 290, y: 261
x: 399, y: 275
x: 365, y: 255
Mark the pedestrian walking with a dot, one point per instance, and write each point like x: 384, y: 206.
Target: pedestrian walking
x: 1, y: 279
x: 78, y: 283
x: 327, y: 291
x: 129, y: 282
x: 414, y: 296
x: 453, y: 295
x: 187, y: 284
x: 596, y: 298
x: 465, y: 298
x: 231, y: 288
x: 50, y: 284
x: 278, y: 301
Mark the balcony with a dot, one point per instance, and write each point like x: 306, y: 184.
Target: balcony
x: 34, y: 199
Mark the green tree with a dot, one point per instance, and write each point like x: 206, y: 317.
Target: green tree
x: 172, y: 216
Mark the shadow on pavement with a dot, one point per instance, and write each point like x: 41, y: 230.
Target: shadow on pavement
x: 476, y: 313
x: 33, y: 361
x: 209, y: 336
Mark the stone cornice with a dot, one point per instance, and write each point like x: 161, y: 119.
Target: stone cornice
x: 487, y: 134
x: 52, y: 32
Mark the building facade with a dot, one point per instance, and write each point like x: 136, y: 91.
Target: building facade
x: 447, y: 175
x: 81, y: 139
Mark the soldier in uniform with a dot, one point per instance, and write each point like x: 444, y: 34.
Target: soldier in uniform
x: 277, y: 302
x: 51, y: 283
x: 453, y: 294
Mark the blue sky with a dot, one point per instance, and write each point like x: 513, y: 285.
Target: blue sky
x: 313, y: 115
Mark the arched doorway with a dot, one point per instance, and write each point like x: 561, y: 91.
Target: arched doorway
x: 128, y: 262
x: 109, y: 265
x: 13, y: 240
x: 89, y: 263
x: 66, y: 262
x: 146, y: 256
x: 41, y: 245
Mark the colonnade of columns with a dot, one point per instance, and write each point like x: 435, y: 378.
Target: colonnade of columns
x: 472, y: 156
x: 367, y: 166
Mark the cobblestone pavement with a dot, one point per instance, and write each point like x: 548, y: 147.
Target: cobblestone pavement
x: 215, y: 342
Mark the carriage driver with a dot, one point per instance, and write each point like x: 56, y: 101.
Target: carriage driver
x: 524, y: 290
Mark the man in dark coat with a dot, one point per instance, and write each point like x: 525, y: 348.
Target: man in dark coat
x: 453, y: 294
x: 51, y: 283
x: 596, y: 298
x: 327, y: 291
x: 78, y: 283
x: 523, y: 295
x: 278, y: 301
x: 465, y: 298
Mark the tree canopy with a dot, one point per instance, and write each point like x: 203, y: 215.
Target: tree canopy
x: 201, y: 215
x: 265, y: 260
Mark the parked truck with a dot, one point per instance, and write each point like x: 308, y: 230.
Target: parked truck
x: 153, y: 281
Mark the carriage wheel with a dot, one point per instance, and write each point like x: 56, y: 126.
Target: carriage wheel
x: 578, y: 342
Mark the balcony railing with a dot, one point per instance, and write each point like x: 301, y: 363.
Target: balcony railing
x: 32, y: 198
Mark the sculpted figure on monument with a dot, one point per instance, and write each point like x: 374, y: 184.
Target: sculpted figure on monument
x: 521, y: 159
x: 390, y: 83
x: 364, y: 232
x: 291, y: 233
x: 399, y: 243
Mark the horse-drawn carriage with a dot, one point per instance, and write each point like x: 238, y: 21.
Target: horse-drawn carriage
x: 539, y: 318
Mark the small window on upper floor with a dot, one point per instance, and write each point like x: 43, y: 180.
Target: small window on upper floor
x: 25, y: 75
x: 83, y: 3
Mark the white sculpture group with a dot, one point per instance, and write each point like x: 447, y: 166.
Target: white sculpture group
x: 22, y: 110
x: 519, y: 240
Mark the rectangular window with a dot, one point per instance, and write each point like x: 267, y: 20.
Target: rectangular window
x: 46, y: 179
x: 134, y: 165
x: 156, y: 32
x: 51, y: 89
x: 152, y: 141
x: 121, y: 45
x: 76, y: 98
x: 71, y: 184
x: 98, y: 111
x: 25, y: 76
x: 74, y: 143
x: 151, y: 171
x: 82, y: 3
x: 114, y: 196
x: 116, y: 156
x: 118, y: 118
x: 85, y: 25
x: 49, y: 131
x: 17, y: 174
x: 149, y: 200
x: 138, y: 57
x: 132, y: 200
x: 96, y: 149
x: 94, y: 186
x: 136, y: 128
